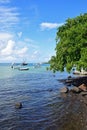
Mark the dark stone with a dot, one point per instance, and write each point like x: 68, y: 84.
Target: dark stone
x: 69, y: 77
x: 18, y: 105
x: 76, y: 81
x: 83, y: 93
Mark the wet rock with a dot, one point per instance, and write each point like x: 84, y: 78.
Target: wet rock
x: 83, y: 87
x: 69, y: 77
x: 64, y: 90
x: 75, y: 90
x: 63, y: 95
x: 83, y: 93
x: 18, y: 105
x: 76, y: 81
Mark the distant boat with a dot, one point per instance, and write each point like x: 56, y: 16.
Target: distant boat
x: 24, y: 63
x: 23, y: 68
x: 38, y: 65
x: 15, y: 66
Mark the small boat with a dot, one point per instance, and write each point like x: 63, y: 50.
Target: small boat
x: 15, y: 66
x: 37, y: 65
x: 24, y: 63
x: 23, y: 68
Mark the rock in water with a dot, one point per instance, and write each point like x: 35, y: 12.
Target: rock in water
x: 64, y: 90
x: 75, y: 90
x: 18, y: 105
x: 83, y: 87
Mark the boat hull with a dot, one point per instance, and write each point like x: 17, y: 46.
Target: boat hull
x: 22, y: 69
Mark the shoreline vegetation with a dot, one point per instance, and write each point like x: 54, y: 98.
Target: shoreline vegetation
x: 71, y: 51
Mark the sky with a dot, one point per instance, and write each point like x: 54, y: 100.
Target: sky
x: 28, y: 27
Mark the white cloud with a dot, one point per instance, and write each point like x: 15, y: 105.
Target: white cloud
x: 10, y: 58
x: 21, y: 51
x: 28, y: 40
x: 9, y: 17
x: 5, y: 36
x: 31, y: 43
x: 36, y: 52
x: 8, y: 50
x: 46, y: 59
x: 46, y: 25
x: 35, y: 56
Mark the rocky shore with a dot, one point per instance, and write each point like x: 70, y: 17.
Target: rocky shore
x: 75, y: 104
x: 76, y: 81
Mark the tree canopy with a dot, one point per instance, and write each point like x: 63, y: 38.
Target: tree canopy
x: 71, y: 45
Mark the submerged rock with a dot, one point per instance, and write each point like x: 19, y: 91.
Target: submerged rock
x: 18, y: 105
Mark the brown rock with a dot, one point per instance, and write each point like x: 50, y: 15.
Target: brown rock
x: 64, y: 90
x: 75, y: 90
x: 18, y: 105
x: 83, y: 87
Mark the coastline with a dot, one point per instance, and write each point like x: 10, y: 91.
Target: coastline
x: 75, y: 81
x: 75, y: 106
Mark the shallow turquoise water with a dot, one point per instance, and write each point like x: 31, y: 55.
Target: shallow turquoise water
x: 6, y: 71
x: 38, y: 90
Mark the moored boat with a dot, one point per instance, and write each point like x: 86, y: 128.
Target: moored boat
x: 23, y: 68
x: 24, y: 64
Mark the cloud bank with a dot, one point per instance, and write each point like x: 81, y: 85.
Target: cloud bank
x: 9, y: 17
x: 46, y: 25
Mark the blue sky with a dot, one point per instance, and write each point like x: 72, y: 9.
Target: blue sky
x: 28, y: 27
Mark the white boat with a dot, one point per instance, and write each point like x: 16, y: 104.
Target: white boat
x: 15, y: 66
x: 37, y: 65
x: 23, y: 68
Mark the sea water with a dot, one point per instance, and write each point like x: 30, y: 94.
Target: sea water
x: 39, y: 92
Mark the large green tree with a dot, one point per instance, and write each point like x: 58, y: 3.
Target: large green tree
x: 71, y: 45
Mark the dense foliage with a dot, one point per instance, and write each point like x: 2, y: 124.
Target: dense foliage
x: 71, y: 45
